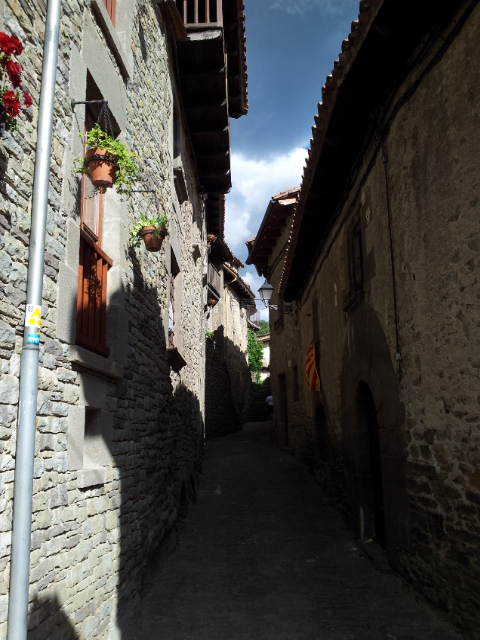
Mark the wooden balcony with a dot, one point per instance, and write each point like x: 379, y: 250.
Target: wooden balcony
x: 201, y: 14
x: 214, y: 278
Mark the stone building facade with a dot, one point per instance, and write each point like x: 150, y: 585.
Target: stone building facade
x: 228, y: 378
x: 378, y: 264
x: 120, y: 424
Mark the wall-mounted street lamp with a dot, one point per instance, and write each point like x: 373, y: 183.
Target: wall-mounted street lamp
x: 266, y: 291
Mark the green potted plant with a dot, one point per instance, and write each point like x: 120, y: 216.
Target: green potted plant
x: 210, y: 335
x: 152, y: 230
x: 108, y: 162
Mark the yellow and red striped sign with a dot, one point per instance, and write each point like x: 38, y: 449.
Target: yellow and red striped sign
x: 311, y: 373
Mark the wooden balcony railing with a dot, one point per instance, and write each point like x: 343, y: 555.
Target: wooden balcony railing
x: 201, y: 13
x: 214, y: 279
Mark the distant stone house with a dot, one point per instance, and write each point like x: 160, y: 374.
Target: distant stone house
x: 228, y: 380
x: 378, y: 263
x: 265, y: 372
x: 121, y: 404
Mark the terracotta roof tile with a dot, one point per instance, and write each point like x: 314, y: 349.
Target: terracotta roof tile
x: 350, y: 48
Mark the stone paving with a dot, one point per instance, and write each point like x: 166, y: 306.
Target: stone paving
x: 262, y: 556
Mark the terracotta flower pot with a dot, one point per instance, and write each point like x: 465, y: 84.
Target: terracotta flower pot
x: 101, y: 171
x: 152, y: 242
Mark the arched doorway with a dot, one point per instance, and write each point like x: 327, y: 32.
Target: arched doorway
x: 373, y: 432
x: 368, y: 432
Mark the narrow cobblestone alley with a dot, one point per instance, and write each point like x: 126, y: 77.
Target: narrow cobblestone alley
x: 263, y: 556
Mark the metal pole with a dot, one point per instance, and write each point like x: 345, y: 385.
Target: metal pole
x: 27, y: 406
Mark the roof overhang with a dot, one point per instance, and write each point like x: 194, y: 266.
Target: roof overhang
x: 375, y: 58
x: 213, y: 82
x: 278, y: 211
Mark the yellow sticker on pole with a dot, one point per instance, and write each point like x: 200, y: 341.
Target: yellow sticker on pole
x: 33, y: 316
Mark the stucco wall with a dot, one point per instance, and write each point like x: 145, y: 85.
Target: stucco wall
x: 427, y: 410
x: 103, y: 499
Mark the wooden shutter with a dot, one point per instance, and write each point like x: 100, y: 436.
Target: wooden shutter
x: 92, y: 296
x: 111, y: 5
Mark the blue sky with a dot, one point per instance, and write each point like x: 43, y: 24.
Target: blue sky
x: 291, y: 48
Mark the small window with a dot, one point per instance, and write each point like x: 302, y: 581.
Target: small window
x: 173, y: 302
x: 111, y: 6
x: 355, y: 292
x: 177, y: 135
x: 355, y: 259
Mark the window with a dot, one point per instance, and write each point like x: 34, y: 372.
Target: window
x: 173, y: 303
x: 355, y: 259
x: 92, y: 270
x: 111, y: 5
x: 355, y: 268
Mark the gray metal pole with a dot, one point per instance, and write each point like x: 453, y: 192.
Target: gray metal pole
x: 27, y: 406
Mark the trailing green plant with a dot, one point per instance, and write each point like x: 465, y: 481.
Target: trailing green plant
x: 210, y: 334
x: 124, y: 159
x: 160, y: 222
x: 264, y: 328
x: 255, y: 354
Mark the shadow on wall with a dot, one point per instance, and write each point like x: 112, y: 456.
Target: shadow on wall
x: 227, y: 386
x: 50, y: 613
x: 144, y: 433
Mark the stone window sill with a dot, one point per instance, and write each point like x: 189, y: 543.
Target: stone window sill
x: 91, y: 477
x: 97, y: 363
x: 112, y: 38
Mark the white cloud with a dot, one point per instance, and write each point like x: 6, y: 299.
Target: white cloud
x: 328, y: 7
x: 254, y: 183
x: 255, y: 281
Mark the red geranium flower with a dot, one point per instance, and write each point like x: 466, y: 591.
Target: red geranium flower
x: 10, y: 44
x: 12, y: 103
x: 14, y: 72
x: 5, y: 44
x: 16, y: 45
x: 27, y: 99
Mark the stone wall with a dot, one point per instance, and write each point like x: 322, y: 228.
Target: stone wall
x: 221, y: 415
x: 236, y: 353
x: 119, y: 439
x: 425, y: 406
x: 228, y: 379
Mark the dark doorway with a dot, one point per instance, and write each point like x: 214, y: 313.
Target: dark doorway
x: 283, y: 410
x: 371, y: 461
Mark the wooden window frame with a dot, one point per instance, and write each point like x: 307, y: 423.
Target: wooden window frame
x: 92, y: 296
x: 355, y: 252
x: 111, y: 7
x: 93, y: 266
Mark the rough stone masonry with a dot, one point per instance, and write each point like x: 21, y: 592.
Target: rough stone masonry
x: 119, y: 438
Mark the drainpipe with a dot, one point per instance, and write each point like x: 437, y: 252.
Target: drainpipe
x: 27, y: 404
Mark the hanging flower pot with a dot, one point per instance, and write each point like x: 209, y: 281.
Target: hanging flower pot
x: 101, y: 168
x: 152, y: 229
x: 153, y: 237
x: 107, y: 161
